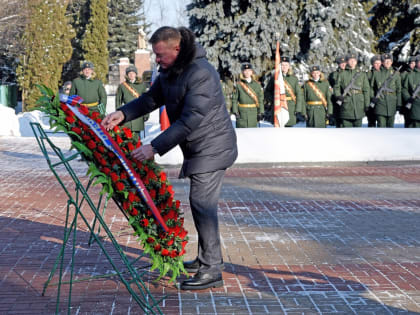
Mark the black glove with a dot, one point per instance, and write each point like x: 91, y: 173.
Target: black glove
x: 237, y: 116
x: 374, y: 100
x: 410, y: 100
x: 340, y: 98
x: 260, y: 117
x: 300, y: 117
x: 331, y: 120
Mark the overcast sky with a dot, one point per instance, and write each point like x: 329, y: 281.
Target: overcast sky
x: 165, y: 12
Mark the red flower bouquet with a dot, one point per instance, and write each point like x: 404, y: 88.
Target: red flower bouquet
x: 165, y: 248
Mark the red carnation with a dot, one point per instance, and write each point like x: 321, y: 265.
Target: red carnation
x: 70, y: 119
x: 131, y: 197
x: 101, y: 148
x: 174, y: 253
x: 165, y: 252
x: 111, y: 154
x: 152, y: 193
x: 127, y: 133
x: 177, y: 204
x: 126, y: 206
x: 182, y: 252
x: 183, y: 234
x: 117, y: 129
x: 123, y: 175
x: 170, y: 242
x: 84, y: 110
x: 85, y: 137
x: 150, y: 240
x: 171, y: 191
x: 103, y: 162
x: 184, y: 243
x: 114, y: 177
x: 94, y: 115
x: 91, y: 145
x: 106, y: 170
x: 130, y: 146
x: 163, y: 177
x: 149, y: 213
x: 138, y: 144
x: 76, y: 130
x: 120, y: 186
x: 135, y: 212
x: 144, y: 222
x: 64, y: 106
x: 157, y: 247
x: 119, y: 140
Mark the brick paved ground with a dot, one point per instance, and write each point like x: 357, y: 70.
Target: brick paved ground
x: 327, y: 239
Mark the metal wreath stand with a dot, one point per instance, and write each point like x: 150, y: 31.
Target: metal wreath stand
x: 79, y: 202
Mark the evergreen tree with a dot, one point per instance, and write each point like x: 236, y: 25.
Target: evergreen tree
x: 47, y: 47
x: 78, y: 12
x: 396, y: 24
x: 125, y: 19
x: 309, y: 32
x: 94, y: 43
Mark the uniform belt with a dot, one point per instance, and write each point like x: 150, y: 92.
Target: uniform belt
x: 247, y: 105
x: 91, y: 104
x: 355, y: 92
x: 314, y: 103
x: 389, y: 93
x: 289, y: 98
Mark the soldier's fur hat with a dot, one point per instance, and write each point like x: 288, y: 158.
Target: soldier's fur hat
x: 245, y: 66
x: 87, y: 64
x: 375, y: 58
x: 417, y: 58
x: 340, y: 59
x: 131, y: 68
x: 315, y: 68
x: 386, y: 56
x: 285, y: 59
x: 412, y: 59
x: 351, y: 56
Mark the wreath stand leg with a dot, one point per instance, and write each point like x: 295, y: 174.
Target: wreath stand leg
x: 128, y: 274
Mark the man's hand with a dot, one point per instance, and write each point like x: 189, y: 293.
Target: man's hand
x: 112, y: 120
x: 145, y: 152
x: 260, y: 117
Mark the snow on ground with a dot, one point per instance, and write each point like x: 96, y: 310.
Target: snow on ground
x: 274, y: 145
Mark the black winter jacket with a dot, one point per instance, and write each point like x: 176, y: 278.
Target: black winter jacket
x: 200, y: 123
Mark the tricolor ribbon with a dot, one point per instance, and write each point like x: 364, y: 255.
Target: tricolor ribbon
x: 111, y: 145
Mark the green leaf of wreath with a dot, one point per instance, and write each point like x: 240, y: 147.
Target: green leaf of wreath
x: 82, y: 148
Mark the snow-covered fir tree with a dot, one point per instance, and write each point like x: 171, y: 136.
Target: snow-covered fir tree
x: 310, y: 32
x: 94, y: 43
x: 125, y: 19
x: 396, y: 24
x: 47, y: 47
x: 79, y: 13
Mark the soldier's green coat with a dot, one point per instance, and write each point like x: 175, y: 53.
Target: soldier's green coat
x: 124, y: 96
x: 317, y: 114
x: 410, y: 84
x: 91, y: 90
x: 292, y: 106
x: 389, y: 102
x: 358, y: 100
x: 248, y: 115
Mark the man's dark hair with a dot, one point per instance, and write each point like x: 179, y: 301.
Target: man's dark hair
x: 165, y: 33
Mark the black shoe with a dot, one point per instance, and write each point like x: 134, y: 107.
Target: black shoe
x: 192, y: 265
x: 202, y: 280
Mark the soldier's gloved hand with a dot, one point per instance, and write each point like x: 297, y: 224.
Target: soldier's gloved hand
x: 331, y: 120
x: 410, y: 100
x: 300, y: 117
x: 375, y: 100
x: 237, y: 115
x: 339, y: 100
x: 260, y: 117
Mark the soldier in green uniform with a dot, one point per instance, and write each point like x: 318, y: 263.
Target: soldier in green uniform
x: 411, y: 95
x: 90, y: 89
x: 317, y: 95
x: 389, y: 101
x: 332, y: 78
x: 294, y: 94
x: 248, y: 99
x: 410, y: 68
x: 130, y: 89
x: 352, y: 93
x: 376, y: 67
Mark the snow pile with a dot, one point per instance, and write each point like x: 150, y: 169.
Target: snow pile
x: 274, y: 145
x: 9, y: 123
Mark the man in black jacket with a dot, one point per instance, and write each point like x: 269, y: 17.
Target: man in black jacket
x: 190, y: 88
